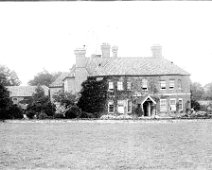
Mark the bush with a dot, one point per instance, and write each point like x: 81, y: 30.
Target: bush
x: 43, y: 115
x: 87, y: 115
x: 30, y: 114
x: 73, y: 112
x: 59, y: 116
x: 15, y: 112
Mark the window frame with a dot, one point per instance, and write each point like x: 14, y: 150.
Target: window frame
x: 123, y: 105
x: 144, y: 82
x: 171, y: 82
x: 180, y: 109
x: 173, y: 99
x: 109, y: 104
x: 162, y: 83
x: 110, y: 83
x: 129, y: 106
x: 120, y: 84
x: 163, y: 110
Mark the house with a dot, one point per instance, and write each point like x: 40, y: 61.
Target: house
x: 20, y: 93
x: 153, y: 84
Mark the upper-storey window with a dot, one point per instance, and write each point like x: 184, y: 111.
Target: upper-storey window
x: 120, y: 85
x: 144, y: 84
x: 111, y: 87
x: 179, y: 84
x: 128, y: 85
x: 171, y: 84
x: 162, y: 84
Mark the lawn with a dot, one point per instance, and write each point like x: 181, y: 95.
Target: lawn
x: 115, y: 145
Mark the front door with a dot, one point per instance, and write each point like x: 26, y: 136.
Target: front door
x: 147, y: 108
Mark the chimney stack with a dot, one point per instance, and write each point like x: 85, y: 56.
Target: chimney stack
x: 115, y: 51
x: 80, y: 57
x: 157, y: 51
x: 105, y: 50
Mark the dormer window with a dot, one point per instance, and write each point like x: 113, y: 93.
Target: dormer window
x: 162, y: 84
x: 120, y: 85
x: 111, y: 87
x: 144, y: 84
x: 171, y: 84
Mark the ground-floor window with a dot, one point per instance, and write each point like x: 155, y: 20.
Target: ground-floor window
x: 120, y: 106
x: 110, y: 107
x: 129, y: 108
x: 163, y: 105
x: 180, y: 104
x: 172, y: 103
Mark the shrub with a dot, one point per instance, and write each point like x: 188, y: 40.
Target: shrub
x: 30, y: 114
x: 43, y: 115
x: 59, y: 116
x: 15, y: 112
x: 87, y: 115
x: 73, y: 112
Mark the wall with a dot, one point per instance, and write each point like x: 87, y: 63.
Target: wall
x: 136, y: 93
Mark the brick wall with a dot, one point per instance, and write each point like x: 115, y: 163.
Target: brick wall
x: 136, y: 93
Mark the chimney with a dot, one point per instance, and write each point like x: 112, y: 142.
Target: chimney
x: 156, y: 51
x: 115, y: 51
x: 105, y: 50
x: 80, y: 57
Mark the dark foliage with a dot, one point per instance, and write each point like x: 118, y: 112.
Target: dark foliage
x: 93, y: 96
x: 59, y: 116
x: 73, y: 112
x: 43, y: 115
x: 65, y: 98
x: 195, y: 105
x: 15, y: 112
x: 40, y: 104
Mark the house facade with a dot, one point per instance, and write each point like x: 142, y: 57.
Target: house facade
x: 142, y: 85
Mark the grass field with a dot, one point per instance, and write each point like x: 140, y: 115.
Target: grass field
x: 106, y: 145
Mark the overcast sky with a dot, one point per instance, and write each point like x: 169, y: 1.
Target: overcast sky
x: 42, y: 35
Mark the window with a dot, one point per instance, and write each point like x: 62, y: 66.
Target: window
x: 129, y: 108
x: 110, y: 107
x: 172, y: 104
x: 144, y: 84
x: 180, y: 104
x: 128, y: 85
x: 120, y: 106
x: 179, y: 84
x: 162, y: 84
x: 110, y: 86
x: 120, y: 85
x: 171, y: 84
x: 163, y: 105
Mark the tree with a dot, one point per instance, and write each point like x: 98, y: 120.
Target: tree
x: 197, y: 91
x: 93, y: 96
x: 40, y: 104
x: 44, y: 78
x: 8, y: 77
x: 5, y: 102
x: 66, y: 99
x: 208, y: 91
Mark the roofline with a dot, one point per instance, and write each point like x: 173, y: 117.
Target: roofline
x: 141, y: 75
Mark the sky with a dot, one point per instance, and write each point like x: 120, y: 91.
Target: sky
x: 43, y: 35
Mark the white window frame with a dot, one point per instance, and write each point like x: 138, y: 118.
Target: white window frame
x: 165, y: 106
x: 180, y: 109
x: 171, y: 84
x: 111, y: 103
x: 129, y: 85
x: 172, y: 106
x: 110, y: 85
x: 144, y: 84
x: 162, y: 82
x: 120, y: 85
x: 121, y: 103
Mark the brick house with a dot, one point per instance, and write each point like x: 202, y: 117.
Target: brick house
x: 150, y: 85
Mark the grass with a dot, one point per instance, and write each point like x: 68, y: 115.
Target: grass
x: 106, y: 144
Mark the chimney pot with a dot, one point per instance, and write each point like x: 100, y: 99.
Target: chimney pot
x: 156, y: 51
x: 115, y: 51
x: 105, y: 47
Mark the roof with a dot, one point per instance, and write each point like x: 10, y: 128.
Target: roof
x: 132, y: 66
x: 59, y: 80
x: 24, y: 91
